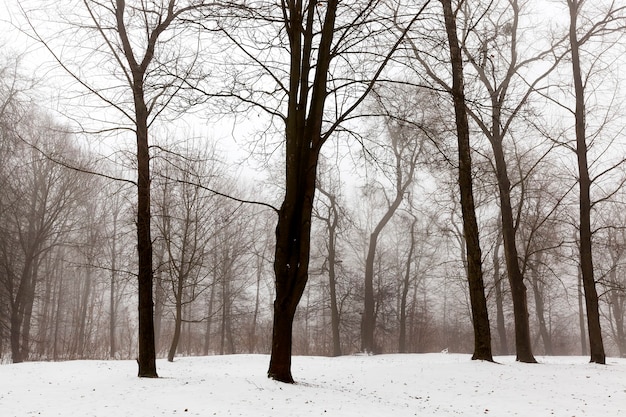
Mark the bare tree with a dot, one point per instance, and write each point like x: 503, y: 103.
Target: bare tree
x: 331, y: 221
x: 182, y: 214
x: 400, y: 156
x: 482, y: 333
x: 609, y: 21
x: 145, y: 76
x: 314, y: 72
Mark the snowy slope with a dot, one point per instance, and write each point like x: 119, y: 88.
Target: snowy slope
x: 385, y: 385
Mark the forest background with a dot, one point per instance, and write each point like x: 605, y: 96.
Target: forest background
x: 386, y: 221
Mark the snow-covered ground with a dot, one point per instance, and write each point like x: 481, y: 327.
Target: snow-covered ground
x: 386, y: 385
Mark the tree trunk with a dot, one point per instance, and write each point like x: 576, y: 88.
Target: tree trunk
x: 334, y: 310
x: 178, y: 320
x: 405, y: 290
x: 616, y: 309
x: 209, y: 321
x: 257, y: 302
x: 303, y: 142
x: 57, y: 320
x: 280, y: 361
x: 84, y: 306
x: 224, y: 315
x: 16, y: 326
x: 540, y: 308
x: 331, y: 224
x: 368, y: 322
x: 497, y: 282
x: 147, y: 350
x: 482, y: 332
x: 27, y: 317
x: 581, y: 316
x: 291, y: 262
x: 523, y: 342
x: 112, y: 314
x: 586, y: 261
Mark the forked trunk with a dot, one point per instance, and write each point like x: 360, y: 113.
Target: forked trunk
x: 291, y: 261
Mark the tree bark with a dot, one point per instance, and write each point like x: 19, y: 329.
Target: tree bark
x: 147, y: 349
x: 482, y: 332
x: 291, y: 260
x: 303, y: 141
x: 310, y: 30
x: 586, y: 261
x: 145, y: 277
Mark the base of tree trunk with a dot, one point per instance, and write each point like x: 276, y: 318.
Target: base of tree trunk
x: 280, y: 359
x: 146, y: 371
x: 483, y: 356
x: 525, y: 359
x: 599, y: 359
x: 281, y: 376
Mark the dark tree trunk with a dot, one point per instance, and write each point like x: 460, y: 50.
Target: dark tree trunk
x: 310, y: 31
x: 586, y: 261
x: 28, y: 311
x: 280, y: 361
x: 159, y: 299
x: 137, y: 70
x: 482, y: 332
x: 21, y: 308
x: 16, y: 351
x: 303, y: 142
x: 292, y: 256
x: 147, y: 349
x: 523, y: 342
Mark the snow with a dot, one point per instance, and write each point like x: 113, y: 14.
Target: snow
x: 384, y: 385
